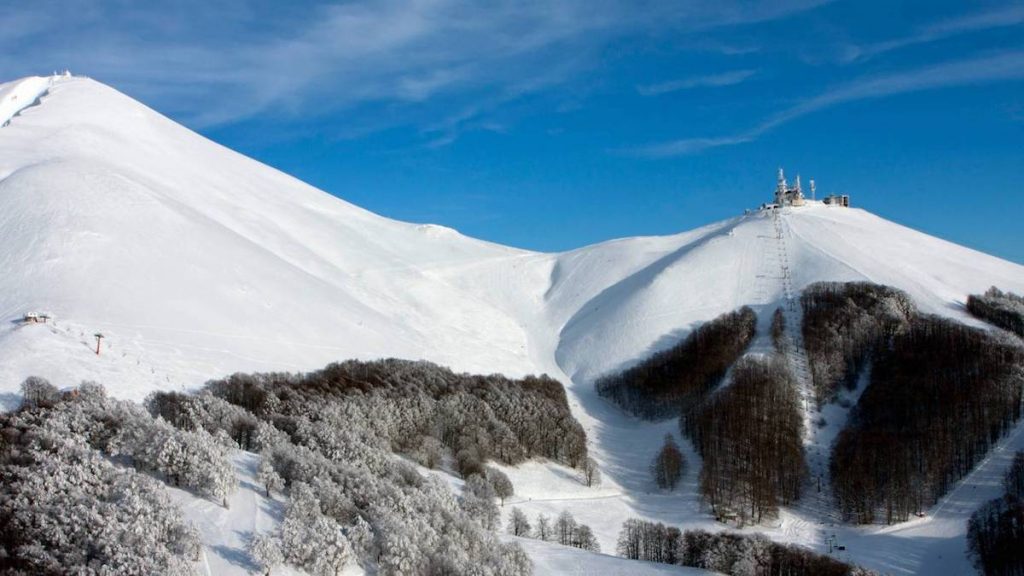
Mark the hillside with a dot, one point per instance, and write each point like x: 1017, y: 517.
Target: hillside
x: 195, y: 262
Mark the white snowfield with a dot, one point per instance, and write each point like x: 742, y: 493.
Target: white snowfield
x: 16, y: 96
x: 194, y: 262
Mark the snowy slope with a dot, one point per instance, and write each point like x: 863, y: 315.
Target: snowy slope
x: 195, y: 261
x: 20, y: 94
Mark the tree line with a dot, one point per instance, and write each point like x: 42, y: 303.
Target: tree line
x: 564, y: 530
x: 748, y: 429
x: 725, y: 552
x: 749, y: 435
x: 843, y: 324
x: 675, y: 380
x: 995, y: 532
x: 423, y: 410
x: 1002, y: 309
x: 332, y: 433
x: 940, y: 395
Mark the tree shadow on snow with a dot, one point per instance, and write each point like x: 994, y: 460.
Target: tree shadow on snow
x: 236, y: 556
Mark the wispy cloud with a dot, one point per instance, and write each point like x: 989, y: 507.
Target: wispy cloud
x: 1003, y: 17
x: 710, y: 80
x: 999, y: 67
x: 221, y: 63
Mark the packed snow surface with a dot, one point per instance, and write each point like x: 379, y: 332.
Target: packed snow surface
x: 194, y: 262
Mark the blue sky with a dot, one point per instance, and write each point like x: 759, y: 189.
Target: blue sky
x: 550, y: 125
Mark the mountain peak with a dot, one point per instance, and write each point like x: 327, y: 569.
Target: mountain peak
x: 195, y: 261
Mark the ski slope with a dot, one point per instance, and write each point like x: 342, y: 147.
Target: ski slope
x: 194, y: 262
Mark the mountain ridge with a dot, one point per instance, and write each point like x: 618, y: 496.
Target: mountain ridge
x: 115, y: 218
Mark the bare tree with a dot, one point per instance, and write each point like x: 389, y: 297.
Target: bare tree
x: 590, y: 474
x: 518, y: 524
x: 668, y: 465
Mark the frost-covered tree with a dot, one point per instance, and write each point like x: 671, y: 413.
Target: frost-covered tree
x: 500, y: 483
x: 564, y: 527
x: 360, y: 536
x: 478, y: 502
x: 590, y: 474
x: 66, y: 509
x: 431, y: 452
x: 518, y: 523
x: 267, y: 476
x: 583, y: 538
x: 543, y: 530
x: 399, y: 554
x: 339, y: 427
x: 265, y: 550
x: 333, y: 550
x: 513, y: 561
x: 36, y: 391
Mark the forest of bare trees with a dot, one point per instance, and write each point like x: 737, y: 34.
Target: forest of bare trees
x: 725, y: 552
x: 1002, y: 309
x: 995, y: 532
x: 677, y: 379
x: 750, y: 438
x: 843, y: 324
x: 940, y: 395
x: 669, y: 464
x: 747, y: 430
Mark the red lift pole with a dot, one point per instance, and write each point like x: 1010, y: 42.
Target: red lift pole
x: 99, y: 338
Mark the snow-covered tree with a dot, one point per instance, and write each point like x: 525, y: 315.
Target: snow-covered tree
x: 518, y: 523
x: 500, y: 483
x: 564, y: 528
x: 430, y: 452
x: 543, y: 530
x: 66, y: 509
x: 583, y: 537
x: 36, y: 391
x: 590, y: 474
x: 333, y: 551
x: 399, y: 554
x: 267, y: 476
x: 265, y: 550
x: 360, y: 536
x: 478, y: 502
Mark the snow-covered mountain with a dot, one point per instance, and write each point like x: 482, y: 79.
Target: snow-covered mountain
x: 194, y: 261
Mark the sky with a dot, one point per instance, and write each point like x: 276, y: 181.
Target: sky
x: 554, y: 124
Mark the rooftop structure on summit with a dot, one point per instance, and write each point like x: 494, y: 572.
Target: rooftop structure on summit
x: 786, y: 195
x: 842, y: 200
